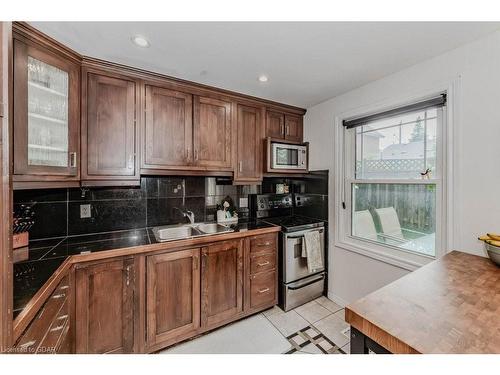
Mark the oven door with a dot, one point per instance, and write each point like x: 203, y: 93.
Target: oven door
x: 294, y: 265
x: 285, y: 156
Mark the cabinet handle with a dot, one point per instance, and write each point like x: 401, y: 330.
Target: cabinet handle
x: 131, y: 162
x: 195, y: 154
x: 282, y: 130
x: 64, y: 287
x: 264, y: 244
x: 72, y: 159
x: 287, y: 130
x: 264, y: 290
x: 240, y: 166
x: 196, y: 265
x: 263, y: 264
x: 62, y: 317
x: 58, y: 328
x: 27, y: 344
x: 127, y: 270
x: 57, y: 296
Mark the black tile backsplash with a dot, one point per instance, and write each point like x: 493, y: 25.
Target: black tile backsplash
x: 107, y: 216
x: 57, y: 211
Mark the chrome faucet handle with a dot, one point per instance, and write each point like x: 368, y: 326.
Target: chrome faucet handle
x: 190, y: 216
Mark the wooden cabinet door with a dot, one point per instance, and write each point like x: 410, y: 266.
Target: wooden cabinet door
x: 109, y: 131
x: 293, y: 128
x: 104, y: 308
x: 275, y: 125
x: 221, y: 282
x: 173, y: 296
x: 46, y: 115
x: 168, y: 129
x: 213, y: 133
x: 249, y: 145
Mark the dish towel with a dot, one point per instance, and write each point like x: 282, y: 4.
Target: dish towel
x: 312, y: 250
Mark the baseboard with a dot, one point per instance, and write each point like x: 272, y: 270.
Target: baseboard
x: 338, y: 300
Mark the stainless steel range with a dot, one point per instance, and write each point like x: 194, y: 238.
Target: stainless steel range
x: 298, y: 284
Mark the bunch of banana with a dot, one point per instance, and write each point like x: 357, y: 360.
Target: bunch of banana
x: 491, y: 239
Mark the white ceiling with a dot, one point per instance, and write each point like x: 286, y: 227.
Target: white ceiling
x: 306, y: 62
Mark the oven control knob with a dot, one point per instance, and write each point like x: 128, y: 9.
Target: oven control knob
x: 261, y: 205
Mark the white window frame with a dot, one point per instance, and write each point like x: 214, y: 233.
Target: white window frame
x: 444, y: 180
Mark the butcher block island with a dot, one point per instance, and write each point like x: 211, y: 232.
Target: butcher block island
x: 451, y: 305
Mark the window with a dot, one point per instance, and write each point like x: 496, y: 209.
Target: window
x: 393, y: 177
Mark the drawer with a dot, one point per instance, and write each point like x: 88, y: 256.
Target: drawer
x: 56, y: 333
x: 33, y: 336
x: 263, y: 243
x: 265, y: 262
x: 262, y: 289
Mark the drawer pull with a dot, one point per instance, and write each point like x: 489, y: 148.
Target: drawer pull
x: 64, y: 287
x: 264, y: 290
x: 55, y: 329
x: 264, y: 244
x: 62, y: 317
x: 263, y: 264
x: 27, y: 344
x: 57, y: 296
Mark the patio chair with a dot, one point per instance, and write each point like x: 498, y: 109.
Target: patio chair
x: 389, y: 222
x: 363, y: 225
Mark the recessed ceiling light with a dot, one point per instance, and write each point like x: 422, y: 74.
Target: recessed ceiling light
x: 263, y: 78
x: 140, y: 41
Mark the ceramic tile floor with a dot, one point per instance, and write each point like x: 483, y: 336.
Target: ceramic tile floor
x: 318, y: 327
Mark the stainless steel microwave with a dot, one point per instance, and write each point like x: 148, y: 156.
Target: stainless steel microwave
x: 285, y: 156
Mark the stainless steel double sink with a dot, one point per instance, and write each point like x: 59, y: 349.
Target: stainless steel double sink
x: 184, y: 231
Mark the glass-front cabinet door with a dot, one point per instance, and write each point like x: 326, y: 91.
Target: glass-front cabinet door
x: 46, y: 114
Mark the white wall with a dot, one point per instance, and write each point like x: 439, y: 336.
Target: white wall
x: 476, y: 164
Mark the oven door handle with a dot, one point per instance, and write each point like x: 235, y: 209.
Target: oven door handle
x: 307, y: 283
x: 301, y: 235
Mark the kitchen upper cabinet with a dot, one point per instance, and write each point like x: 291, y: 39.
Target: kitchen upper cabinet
x: 173, y: 296
x: 287, y: 127
x: 168, y: 129
x: 213, y: 133
x: 248, y: 167
x: 109, y: 135
x: 46, y: 115
x: 275, y: 124
x: 104, y: 306
x: 293, y: 128
x: 221, y: 282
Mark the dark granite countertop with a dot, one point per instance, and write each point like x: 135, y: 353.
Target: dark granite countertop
x: 45, y: 256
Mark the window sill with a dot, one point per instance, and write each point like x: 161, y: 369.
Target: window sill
x: 407, y: 260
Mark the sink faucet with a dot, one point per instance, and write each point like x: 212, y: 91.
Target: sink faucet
x: 186, y: 213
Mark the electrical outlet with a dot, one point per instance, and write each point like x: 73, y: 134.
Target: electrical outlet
x: 85, y: 212
x: 243, y: 202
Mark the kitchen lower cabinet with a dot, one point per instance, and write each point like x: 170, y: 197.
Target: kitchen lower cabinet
x: 104, y: 306
x: 50, y: 331
x: 109, y: 135
x: 173, y: 296
x: 221, y: 282
x: 248, y: 168
x: 261, y: 272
